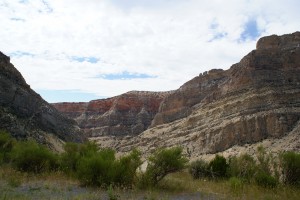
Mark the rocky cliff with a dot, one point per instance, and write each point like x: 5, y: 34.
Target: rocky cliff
x: 126, y: 115
x: 256, y: 99
x: 26, y: 115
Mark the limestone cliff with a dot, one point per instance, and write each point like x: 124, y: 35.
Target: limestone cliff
x: 128, y: 114
x: 26, y: 115
x: 256, y: 99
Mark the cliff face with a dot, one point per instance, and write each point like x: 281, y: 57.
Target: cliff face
x: 256, y: 99
x: 128, y: 114
x: 26, y: 115
x: 275, y: 63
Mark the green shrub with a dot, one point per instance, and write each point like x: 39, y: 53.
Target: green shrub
x: 266, y: 161
x: 6, y: 145
x: 111, y: 193
x: 199, y: 169
x: 126, y: 168
x: 235, y: 183
x: 103, y: 169
x: 88, y: 149
x: 243, y: 167
x: 69, y: 159
x: 218, y: 167
x: 161, y: 163
x: 290, y: 163
x: 266, y: 180
x: 28, y: 156
x: 97, y: 169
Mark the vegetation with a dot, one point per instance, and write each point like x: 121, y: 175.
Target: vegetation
x: 199, y: 169
x: 216, y: 168
x: 28, y: 156
x: 244, y: 169
x: 290, y: 162
x: 162, y: 163
x: 103, y: 169
x: 6, y: 145
x: 85, y: 164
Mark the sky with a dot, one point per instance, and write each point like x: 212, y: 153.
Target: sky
x: 80, y: 50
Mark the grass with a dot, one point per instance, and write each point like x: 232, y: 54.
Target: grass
x: 224, y: 189
x: 55, y: 185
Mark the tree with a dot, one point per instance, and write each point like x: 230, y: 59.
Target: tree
x: 163, y: 162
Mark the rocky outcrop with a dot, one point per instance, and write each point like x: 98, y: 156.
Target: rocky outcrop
x: 256, y: 99
x: 26, y: 115
x: 128, y: 114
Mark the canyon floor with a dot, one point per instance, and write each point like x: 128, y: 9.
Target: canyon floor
x: 178, y: 186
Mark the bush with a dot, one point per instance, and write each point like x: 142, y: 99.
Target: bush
x: 97, y: 169
x: 69, y: 159
x: 266, y: 180
x: 89, y: 149
x: 28, y: 156
x: 6, y: 145
x: 218, y: 167
x: 290, y: 163
x: 243, y: 167
x: 161, y: 163
x: 103, y: 169
x: 236, y: 184
x: 199, y: 169
x: 126, y: 168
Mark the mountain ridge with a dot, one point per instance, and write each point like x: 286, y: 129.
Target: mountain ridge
x: 253, y: 101
x: 25, y: 114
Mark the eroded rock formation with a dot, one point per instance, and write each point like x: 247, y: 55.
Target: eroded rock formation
x: 128, y: 114
x: 26, y: 115
x: 256, y: 99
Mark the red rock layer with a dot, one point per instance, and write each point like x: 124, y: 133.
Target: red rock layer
x: 128, y: 114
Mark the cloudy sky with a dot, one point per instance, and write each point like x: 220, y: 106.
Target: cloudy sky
x: 79, y: 50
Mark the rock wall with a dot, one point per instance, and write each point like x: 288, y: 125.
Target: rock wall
x: 26, y: 115
x: 256, y: 99
x: 128, y: 114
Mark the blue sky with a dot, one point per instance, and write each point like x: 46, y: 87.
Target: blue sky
x: 76, y: 50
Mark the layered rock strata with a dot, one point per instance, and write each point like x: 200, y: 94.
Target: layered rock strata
x: 256, y: 99
x: 25, y: 114
x: 126, y: 115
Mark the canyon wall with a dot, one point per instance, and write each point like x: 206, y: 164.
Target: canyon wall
x: 25, y: 114
x: 128, y: 114
x: 256, y: 99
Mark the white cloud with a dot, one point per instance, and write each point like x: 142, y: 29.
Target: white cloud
x: 170, y: 40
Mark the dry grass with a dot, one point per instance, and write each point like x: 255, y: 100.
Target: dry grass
x: 17, y: 185
x: 222, y: 189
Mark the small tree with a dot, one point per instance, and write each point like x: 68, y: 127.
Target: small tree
x: 162, y: 163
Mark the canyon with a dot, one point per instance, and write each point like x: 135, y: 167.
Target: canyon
x: 255, y: 101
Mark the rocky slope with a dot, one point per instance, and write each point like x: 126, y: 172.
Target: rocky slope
x: 257, y: 99
x: 26, y: 115
x: 126, y: 115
